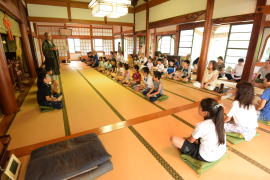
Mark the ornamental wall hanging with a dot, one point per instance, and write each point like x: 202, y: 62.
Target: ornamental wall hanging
x: 7, y: 24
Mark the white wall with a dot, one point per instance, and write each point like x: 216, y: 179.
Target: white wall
x: 140, y: 21
x: 174, y: 8
x: 225, y: 8
x: 37, y: 10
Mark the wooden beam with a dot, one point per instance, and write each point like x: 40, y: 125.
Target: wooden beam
x: 206, y: 39
x: 192, y: 17
x: 11, y: 9
x: 166, y: 33
x: 122, y: 40
x: 233, y: 19
x: 48, y: 2
x: 155, y: 42
x: 92, y: 41
x: 142, y: 7
x: 140, y: 33
x: 191, y: 25
x: 64, y: 20
x: 263, y: 9
x: 254, y: 44
x: 267, y: 24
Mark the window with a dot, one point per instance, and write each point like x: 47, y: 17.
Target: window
x: 266, y: 50
x: 85, y: 46
x: 238, y: 43
x: 102, y: 32
x: 81, y: 31
x: 129, y: 45
x: 186, y: 42
x: 103, y: 45
x: 61, y: 44
x: 52, y: 30
x: 74, y: 45
x: 166, y: 45
x: 98, y: 44
x: 116, y: 41
x: 219, y: 38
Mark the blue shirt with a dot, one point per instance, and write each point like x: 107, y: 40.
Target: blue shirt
x: 265, y: 112
x: 171, y: 69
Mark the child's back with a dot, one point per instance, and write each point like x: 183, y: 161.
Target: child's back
x: 265, y: 112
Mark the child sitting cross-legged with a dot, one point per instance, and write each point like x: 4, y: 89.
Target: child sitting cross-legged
x: 136, y: 77
x: 207, y: 142
x: 264, y: 104
x: 170, y: 70
x: 126, y: 76
x: 184, y: 73
x: 243, y: 112
x: 156, y: 91
x: 147, y: 81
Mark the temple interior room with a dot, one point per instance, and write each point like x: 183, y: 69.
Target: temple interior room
x: 134, y: 89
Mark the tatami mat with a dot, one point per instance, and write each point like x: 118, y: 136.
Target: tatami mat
x: 30, y: 126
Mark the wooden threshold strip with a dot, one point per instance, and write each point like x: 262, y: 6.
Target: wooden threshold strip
x: 26, y: 150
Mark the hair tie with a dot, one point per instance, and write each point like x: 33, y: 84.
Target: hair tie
x: 218, y: 105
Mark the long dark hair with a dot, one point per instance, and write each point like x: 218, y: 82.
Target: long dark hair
x: 216, y: 113
x: 214, y: 65
x: 244, y: 94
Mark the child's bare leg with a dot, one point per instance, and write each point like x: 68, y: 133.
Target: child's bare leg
x: 177, y: 141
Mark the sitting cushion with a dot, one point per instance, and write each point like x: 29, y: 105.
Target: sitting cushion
x: 199, y: 166
x: 66, y: 159
x: 46, y: 108
x: 264, y: 122
x: 163, y: 98
x: 236, y: 138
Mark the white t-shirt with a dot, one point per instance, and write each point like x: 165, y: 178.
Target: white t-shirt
x: 150, y: 66
x: 148, y: 81
x: 209, y: 148
x: 244, y: 117
x: 238, y: 70
x: 160, y: 67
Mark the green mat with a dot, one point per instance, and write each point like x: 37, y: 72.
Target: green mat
x: 46, y: 108
x: 163, y: 98
x: 236, y: 138
x: 199, y: 166
x: 264, y: 122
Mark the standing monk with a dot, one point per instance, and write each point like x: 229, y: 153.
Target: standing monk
x: 51, y: 55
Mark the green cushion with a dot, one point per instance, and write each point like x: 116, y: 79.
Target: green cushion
x: 46, y: 108
x: 236, y: 135
x: 264, y: 122
x: 236, y: 138
x: 199, y: 166
x: 163, y: 98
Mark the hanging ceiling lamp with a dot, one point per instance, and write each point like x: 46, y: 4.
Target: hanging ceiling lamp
x: 109, y: 8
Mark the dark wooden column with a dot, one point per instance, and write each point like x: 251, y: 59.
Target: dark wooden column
x: 91, y: 34
x: 134, y: 35
x: 7, y: 95
x: 155, y: 42
x: 122, y: 40
x: 147, y: 29
x: 27, y: 50
x: 177, y: 39
x: 206, y: 39
x: 254, y: 44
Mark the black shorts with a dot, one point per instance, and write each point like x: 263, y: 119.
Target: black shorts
x: 192, y: 149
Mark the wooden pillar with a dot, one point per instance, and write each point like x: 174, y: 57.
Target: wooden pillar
x: 134, y: 34
x: 155, y: 42
x: 147, y: 29
x: 27, y: 51
x: 122, y: 40
x: 254, y: 44
x: 91, y: 34
x: 7, y: 95
x: 177, y: 39
x: 206, y: 39
x: 113, y: 44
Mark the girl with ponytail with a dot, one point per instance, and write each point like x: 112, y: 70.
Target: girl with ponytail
x: 207, y: 142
